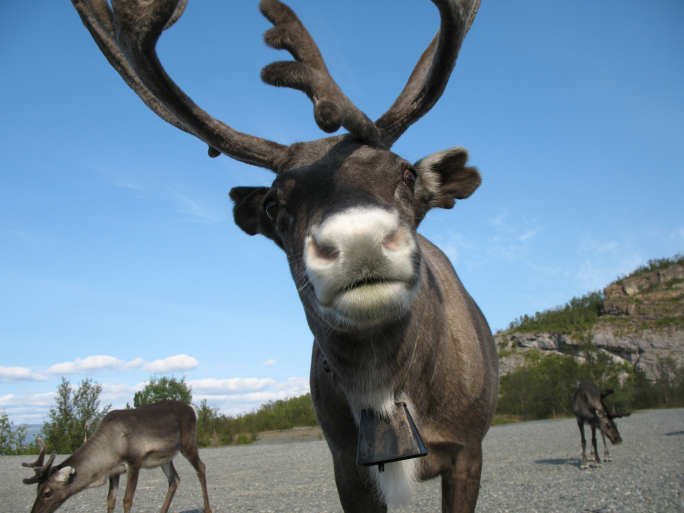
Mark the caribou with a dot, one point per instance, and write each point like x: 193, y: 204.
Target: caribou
x: 395, y: 332
x: 589, y: 406
x: 124, y: 442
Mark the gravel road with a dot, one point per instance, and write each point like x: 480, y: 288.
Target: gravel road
x: 531, y: 467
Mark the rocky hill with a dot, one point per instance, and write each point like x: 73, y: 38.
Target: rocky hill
x: 640, y: 320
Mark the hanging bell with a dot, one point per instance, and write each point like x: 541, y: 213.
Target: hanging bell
x: 383, y: 440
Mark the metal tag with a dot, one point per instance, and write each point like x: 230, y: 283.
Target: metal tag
x: 383, y: 440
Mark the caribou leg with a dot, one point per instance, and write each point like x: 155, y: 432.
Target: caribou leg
x: 606, y: 454
x: 191, y: 453
x: 355, y: 492
x: 585, y: 462
x: 111, y: 496
x: 461, y: 483
x: 174, y: 481
x: 595, y: 447
x: 131, y: 483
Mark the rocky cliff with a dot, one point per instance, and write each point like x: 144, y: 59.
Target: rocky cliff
x: 641, y: 321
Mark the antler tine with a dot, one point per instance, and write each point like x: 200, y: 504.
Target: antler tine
x: 127, y: 34
x: 431, y: 74
x: 41, y: 455
x: 309, y: 74
x: 41, y: 470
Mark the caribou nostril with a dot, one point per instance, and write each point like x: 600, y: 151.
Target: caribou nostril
x: 323, y: 251
x: 393, y: 240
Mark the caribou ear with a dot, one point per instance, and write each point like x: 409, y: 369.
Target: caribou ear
x: 64, y: 475
x: 443, y: 178
x: 606, y: 392
x: 249, y: 213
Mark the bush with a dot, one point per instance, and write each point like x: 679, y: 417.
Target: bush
x: 160, y: 389
x: 75, y: 416
x: 12, y: 440
x: 218, y: 429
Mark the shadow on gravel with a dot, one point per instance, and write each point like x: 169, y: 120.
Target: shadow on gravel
x: 675, y: 433
x: 575, y: 462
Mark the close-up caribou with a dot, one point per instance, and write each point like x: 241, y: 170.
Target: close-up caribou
x: 126, y: 441
x: 399, y: 346
x: 589, y: 406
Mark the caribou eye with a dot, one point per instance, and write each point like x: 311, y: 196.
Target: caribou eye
x: 410, y: 178
x: 599, y: 413
x: 271, y: 209
x: 47, y: 493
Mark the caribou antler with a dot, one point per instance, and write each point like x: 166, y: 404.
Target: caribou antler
x: 310, y: 75
x: 430, y: 76
x: 127, y: 35
x: 332, y: 108
x: 42, y: 471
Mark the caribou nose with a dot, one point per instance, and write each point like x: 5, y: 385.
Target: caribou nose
x: 323, y: 251
x: 394, y: 241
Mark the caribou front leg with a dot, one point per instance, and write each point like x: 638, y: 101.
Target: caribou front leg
x: 585, y: 462
x: 355, y: 491
x: 111, y: 496
x: 594, y: 445
x: 461, y: 482
x: 114, y: 486
x: 606, y: 454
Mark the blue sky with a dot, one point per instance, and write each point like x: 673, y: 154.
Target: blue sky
x: 119, y: 257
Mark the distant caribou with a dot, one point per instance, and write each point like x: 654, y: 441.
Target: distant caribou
x: 396, y: 335
x: 589, y: 407
x: 124, y: 442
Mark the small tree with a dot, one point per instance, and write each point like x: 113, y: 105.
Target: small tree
x: 12, y: 440
x: 75, y: 416
x: 159, y: 389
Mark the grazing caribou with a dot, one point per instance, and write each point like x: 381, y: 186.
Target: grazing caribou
x: 125, y: 441
x: 395, y: 332
x: 589, y: 407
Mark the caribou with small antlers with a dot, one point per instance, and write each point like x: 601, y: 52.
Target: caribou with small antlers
x: 391, y: 321
x: 589, y: 406
x: 124, y: 442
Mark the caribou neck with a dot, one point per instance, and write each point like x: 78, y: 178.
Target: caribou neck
x: 371, y: 365
x: 92, y: 462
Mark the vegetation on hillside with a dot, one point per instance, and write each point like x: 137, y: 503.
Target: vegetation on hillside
x: 545, y: 387
x: 578, y: 314
x: 581, y: 313
x: 656, y: 264
x: 215, y: 428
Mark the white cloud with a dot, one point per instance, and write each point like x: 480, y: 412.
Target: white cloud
x: 86, y: 365
x: 103, y: 362
x: 598, y: 246
x: 233, y: 385
x: 269, y: 362
x: 135, y: 364
x: 529, y: 234
x: 13, y: 374
x: 192, y: 208
x: 172, y: 363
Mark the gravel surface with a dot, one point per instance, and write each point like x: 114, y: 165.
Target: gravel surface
x: 531, y: 467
